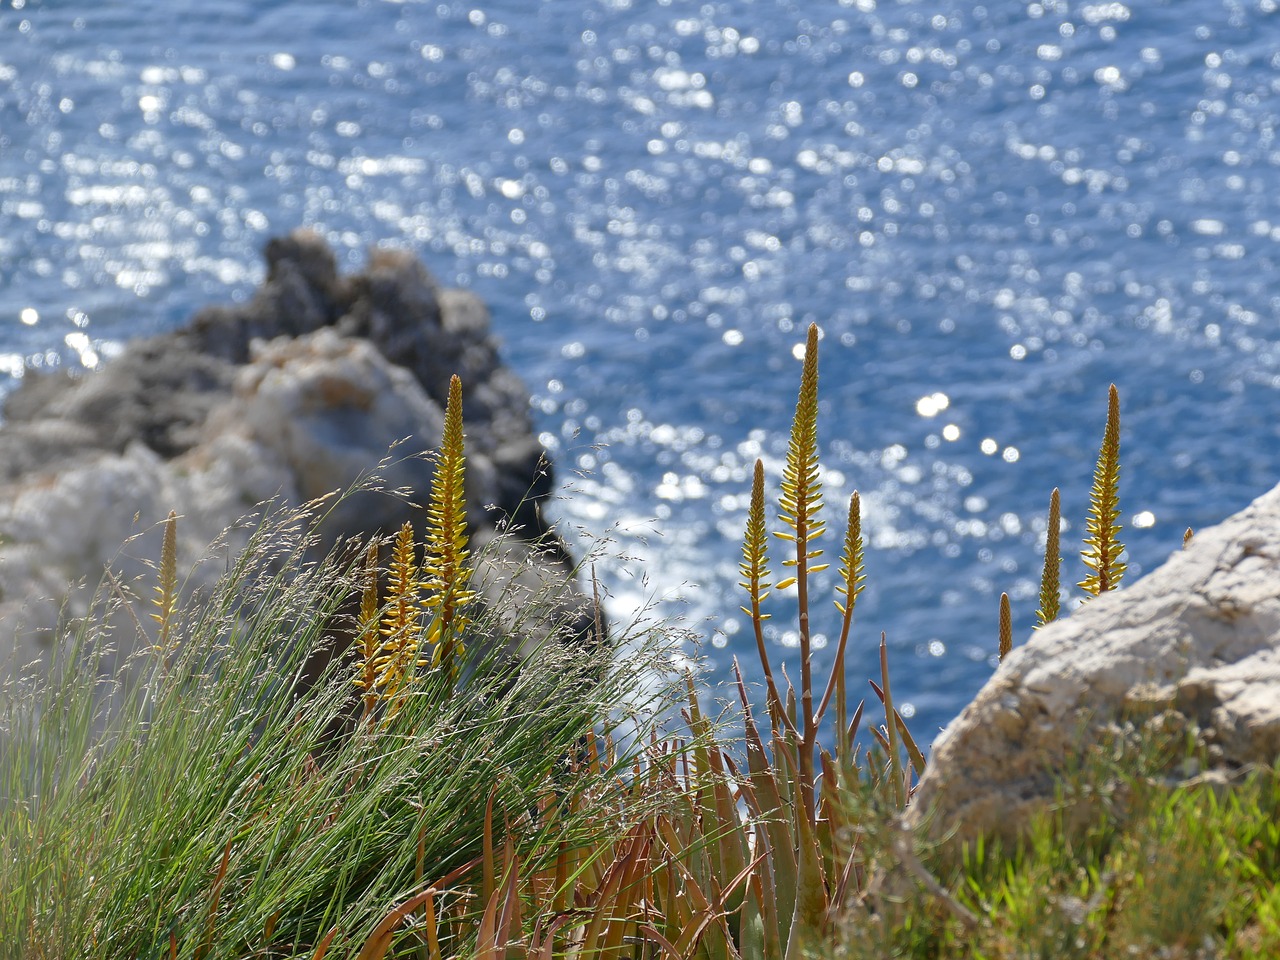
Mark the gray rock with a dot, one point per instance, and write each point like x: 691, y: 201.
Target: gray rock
x: 294, y: 395
x: 1194, y: 646
x: 161, y: 390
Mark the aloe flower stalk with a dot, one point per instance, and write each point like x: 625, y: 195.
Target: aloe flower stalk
x: 446, y: 566
x: 1049, y: 580
x: 1102, y: 546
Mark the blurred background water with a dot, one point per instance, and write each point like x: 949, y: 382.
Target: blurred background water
x: 993, y: 211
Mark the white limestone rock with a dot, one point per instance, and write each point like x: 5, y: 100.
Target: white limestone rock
x: 1195, y: 643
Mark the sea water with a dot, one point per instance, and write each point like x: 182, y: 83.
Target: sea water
x: 991, y: 211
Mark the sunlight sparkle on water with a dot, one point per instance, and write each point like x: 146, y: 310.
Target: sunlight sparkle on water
x: 933, y: 404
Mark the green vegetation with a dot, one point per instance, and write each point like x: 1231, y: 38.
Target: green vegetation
x: 249, y: 793
x: 1164, y: 870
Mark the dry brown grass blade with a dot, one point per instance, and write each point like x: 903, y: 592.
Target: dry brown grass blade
x: 705, y: 910
x: 488, y: 877
x: 563, y: 894
x: 617, y: 882
x: 499, y: 932
x: 323, y: 946
x: 433, y: 933
x: 513, y: 910
x: 652, y: 932
x: 675, y: 911
x: 211, y: 920
x: 379, y: 942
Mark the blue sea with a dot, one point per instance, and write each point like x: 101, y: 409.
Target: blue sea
x: 992, y: 212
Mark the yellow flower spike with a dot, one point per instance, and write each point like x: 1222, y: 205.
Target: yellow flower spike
x: 446, y: 566
x: 1102, y: 548
x: 398, y: 653
x: 852, y: 580
x: 801, y: 498
x: 755, y: 576
x: 369, y: 634
x: 852, y: 577
x: 167, y: 589
x: 1049, y: 581
x: 755, y: 549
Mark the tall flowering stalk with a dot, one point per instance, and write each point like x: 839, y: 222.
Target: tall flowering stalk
x: 808, y: 863
x: 398, y: 661
x: 800, y: 506
x: 755, y: 580
x: 446, y: 567
x: 1049, y: 580
x: 369, y: 636
x: 167, y: 591
x: 1102, y: 545
x: 852, y: 580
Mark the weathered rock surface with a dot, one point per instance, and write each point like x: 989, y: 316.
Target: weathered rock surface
x: 1194, y: 645
x: 291, y: 396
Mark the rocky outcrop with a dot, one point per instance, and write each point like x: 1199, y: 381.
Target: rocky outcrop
x: 290, y: 396
x: 1193, y: 648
